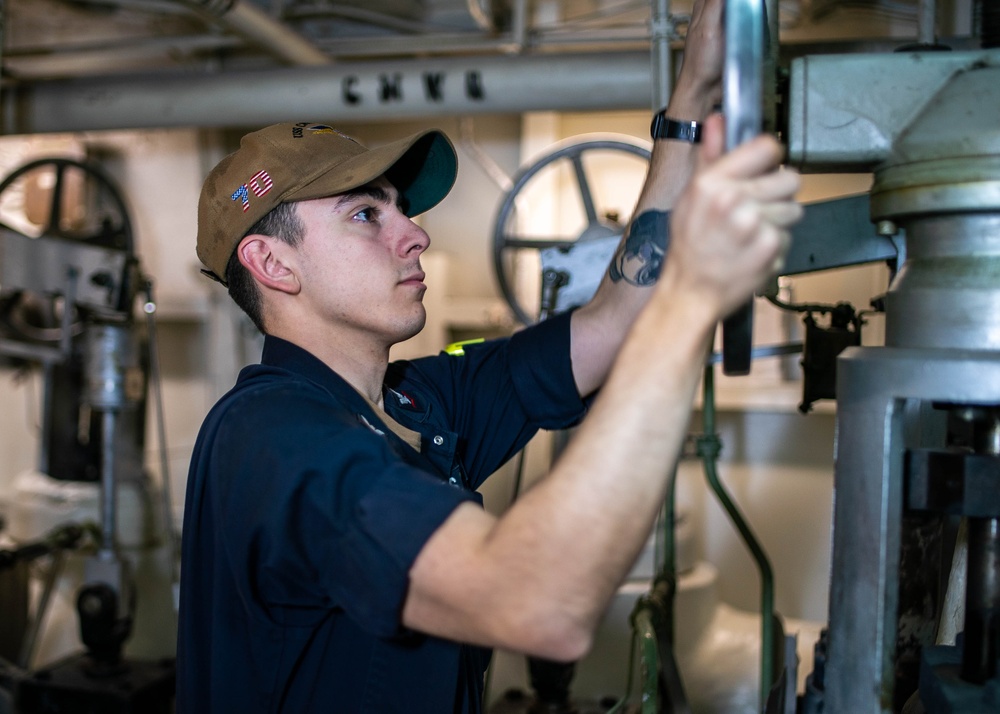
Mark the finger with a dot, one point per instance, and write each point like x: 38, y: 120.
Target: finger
x: 713, y: 140
x: 758, y: 156
x: 778, y: 264
x: 781, y: 213
x: 777, y: 185
x: 745, y: 220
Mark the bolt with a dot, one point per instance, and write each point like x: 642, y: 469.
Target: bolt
x: 886, y: 228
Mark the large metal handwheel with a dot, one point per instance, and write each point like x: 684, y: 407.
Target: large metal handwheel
x: 65, y: 199
x: 600, y: 220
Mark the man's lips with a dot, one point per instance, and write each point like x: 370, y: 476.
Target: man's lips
x: 414, y: 279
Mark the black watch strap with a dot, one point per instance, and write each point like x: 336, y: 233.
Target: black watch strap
x: 663, y: 127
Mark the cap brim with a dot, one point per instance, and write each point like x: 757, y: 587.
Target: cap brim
x: 422, y: 167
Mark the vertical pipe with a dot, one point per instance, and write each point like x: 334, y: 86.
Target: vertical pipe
x: 926, y: 13
x: 769, y: 84
x: 45, y: 428
x: 519, y: 24
x: 110, y: 357
x: 661, y: 32
x: 108, y: 491
x: 642, y: 623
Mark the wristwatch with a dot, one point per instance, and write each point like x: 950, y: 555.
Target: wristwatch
x: 663, y: 127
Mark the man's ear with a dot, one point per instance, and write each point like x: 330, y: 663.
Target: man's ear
x: 267, y: 259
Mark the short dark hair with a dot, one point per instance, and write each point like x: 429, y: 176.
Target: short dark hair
x: 283, y: 223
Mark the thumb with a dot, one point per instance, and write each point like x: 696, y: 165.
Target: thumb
x: 713, y: 140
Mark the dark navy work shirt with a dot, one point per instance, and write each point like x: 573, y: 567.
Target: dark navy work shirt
x: 305, y: 512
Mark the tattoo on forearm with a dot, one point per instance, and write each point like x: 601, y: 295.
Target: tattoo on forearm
x: 640, y: 257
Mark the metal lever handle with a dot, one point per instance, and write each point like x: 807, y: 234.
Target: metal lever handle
x: 737, y: 341
x: 742, y: 98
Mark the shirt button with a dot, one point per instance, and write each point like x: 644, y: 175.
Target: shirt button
x: 438, y: 440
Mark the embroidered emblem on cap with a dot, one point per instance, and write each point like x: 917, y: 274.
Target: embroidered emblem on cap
x: 260, y: 183
x: 298, y: 131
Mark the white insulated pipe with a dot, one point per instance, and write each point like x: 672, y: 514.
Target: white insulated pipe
x: 340, y: 93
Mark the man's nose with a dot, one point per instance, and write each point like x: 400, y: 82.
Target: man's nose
x: 415, y: 240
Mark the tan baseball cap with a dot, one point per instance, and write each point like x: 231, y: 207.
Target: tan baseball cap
x: 296, y: 161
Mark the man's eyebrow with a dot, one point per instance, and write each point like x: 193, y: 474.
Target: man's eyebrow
x: 375, y: 193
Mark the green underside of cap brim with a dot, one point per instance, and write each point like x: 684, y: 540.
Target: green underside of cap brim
x: 423, y: 168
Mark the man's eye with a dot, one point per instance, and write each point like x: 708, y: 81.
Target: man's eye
x: 366, y: 215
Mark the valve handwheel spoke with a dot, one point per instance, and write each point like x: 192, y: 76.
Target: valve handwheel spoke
x: 508, y: 243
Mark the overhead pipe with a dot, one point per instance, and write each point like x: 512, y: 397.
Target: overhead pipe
x: 261, y: 30
x: 105, y: 58
x: 108, y: 57
x: 355, y: 13
x: 346, y: 93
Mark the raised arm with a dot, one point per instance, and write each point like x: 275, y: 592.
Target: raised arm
x: 539, y: 578
x: 599, y: 327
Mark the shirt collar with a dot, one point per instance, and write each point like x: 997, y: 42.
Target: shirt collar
x: 289, y: 356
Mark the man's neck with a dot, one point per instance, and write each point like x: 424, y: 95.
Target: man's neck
x: 360, y: 359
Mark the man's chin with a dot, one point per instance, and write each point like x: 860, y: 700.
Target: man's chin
x: 412, y: 329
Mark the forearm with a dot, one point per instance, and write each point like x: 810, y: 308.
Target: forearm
x: 601, y: 325
x: 539, y: 578
x: 595, y: 510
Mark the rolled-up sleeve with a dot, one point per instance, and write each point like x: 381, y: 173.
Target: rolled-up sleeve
x: 499, y: 393
x: 542, y: 373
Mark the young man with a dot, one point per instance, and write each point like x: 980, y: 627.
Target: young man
x: 335, y: 554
